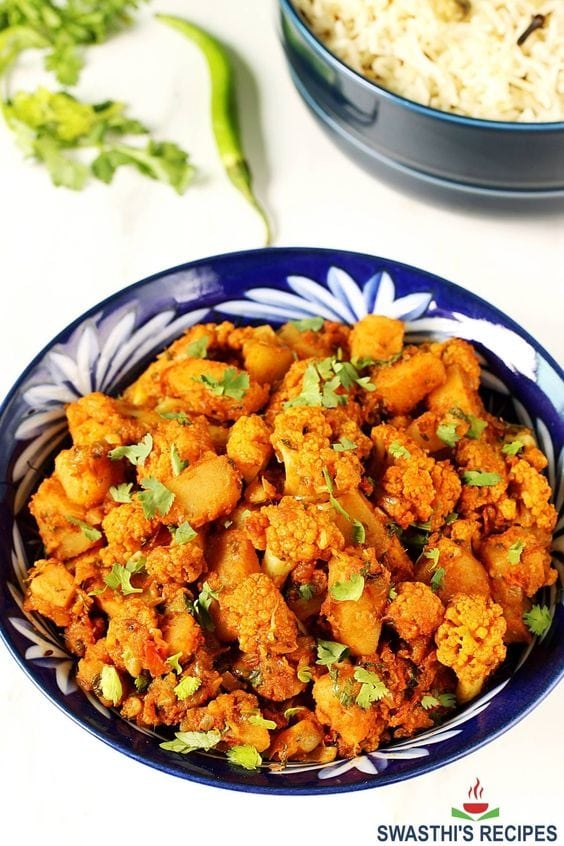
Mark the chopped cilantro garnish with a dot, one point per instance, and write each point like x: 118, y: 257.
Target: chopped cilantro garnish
x: 233, y: 383
x: 177, y: 464
x: 448, y: 434
x: 245, y: 756
x: 110, y: 684
x: 89, y: 532
x: 480, y: 479
x: 514, y: 552
x: 437, y: 579
x: 358, y: 531
x: 538, y: 619
x: 187, y: 687
x: 183, y: 534
x: 190, y: 741
x: 155, y: 497
x: 201, y: 607
x: 306, y: 591
x: 304, y: 674
x: 344, y: 445
x: 397, y: 450
x: 259, y: 720
x: 180, y: 417
x: 372, y: 687
x: 434, y: 554
x: 447, y: 700
x: 428, y: 701
x: 513, y: 447
x: 135, y: 453
x: 450, y: 518
x: 311, y: 393
x: 119, y: 577
x: 350, y: 590
x: 392, y: 593
x: 198, y: 348
x: 308, y: 323
x: 329, y: 652
x: 175, y: 663
x: 477, y: 426
x: 334, y: 374
x: 142, y: 682
x: 121, y: 493
x: 292, y: 712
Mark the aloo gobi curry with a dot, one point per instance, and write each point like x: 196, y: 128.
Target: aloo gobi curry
x: 294, y: 544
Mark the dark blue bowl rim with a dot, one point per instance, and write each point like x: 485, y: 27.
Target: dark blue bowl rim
x: 255, y: 256
x: 318, y: 45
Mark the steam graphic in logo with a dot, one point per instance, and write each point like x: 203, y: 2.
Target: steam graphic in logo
x: 475, y: 809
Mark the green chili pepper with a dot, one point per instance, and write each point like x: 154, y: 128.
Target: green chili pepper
x: 223, y: 110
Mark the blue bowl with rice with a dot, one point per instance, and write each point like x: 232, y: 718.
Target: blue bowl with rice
x: 462, y: 97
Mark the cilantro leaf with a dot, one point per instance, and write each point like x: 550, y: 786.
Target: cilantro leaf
x: 121, y: 493
x: 350, y: 590
x: 397, y: 450
x: 437, y: 579
x: 174, y: 662
x: 428, y: 701
x: 307, y: 324
x: 110, y: 684
x: 306, y: 591
x: 311, y: 392
x: 119, y: 577
x: 480, y: 479
x: 514, y: 552
x: 180, y: 417
x: 513, y: 447
x: 190, y: 741
x: 329, y: 652
x: 448, y: 434
x: 304, y: 674
x: 344, y: 445
x: 177, y: 464
x: 184, y: 533
x: 155, y: 498
x: 392, y: 593
x: 447, y: 700
x: 135, y: 453
x: 198, y: 348
x: 245, y: 756
x: 232, y: 384
x: 187, y: 687
x: 477, y: 426
x: 201, y: 607
x: 259, y: 720
x: 434, y: 554
x: 372, y: 688
x: 538, y: 619
x: 359, y: 531
x: 163, y: 161
x: 89, y: 532
x: 16, y: 38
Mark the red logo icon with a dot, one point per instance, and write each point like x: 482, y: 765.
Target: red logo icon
x: 475, y: 809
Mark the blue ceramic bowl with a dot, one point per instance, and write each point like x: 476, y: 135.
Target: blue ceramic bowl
x: 377, y: 127
x: 104, y: 348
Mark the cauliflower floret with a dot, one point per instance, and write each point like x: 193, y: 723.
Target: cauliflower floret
x: 413, y: 486
x: 127, y: 531
x: 470, y: 641
x: 478, y: 456
x: 532, y: 492
x: 248, y: 446
x: 416, y: 612
x: 302, y: 440
x: 178, y: 562
x: 174, y: 446
x: 133, y: 640
x: 308, y: 343
x: 96, y: 418
x: 256, y: 611
x: 298, y: 531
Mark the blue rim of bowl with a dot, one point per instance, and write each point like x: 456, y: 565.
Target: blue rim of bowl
x: 523, y: 707
x: 511, y: 126
x: 436, y: 181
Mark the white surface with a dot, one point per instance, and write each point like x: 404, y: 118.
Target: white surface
x: 62, y: 252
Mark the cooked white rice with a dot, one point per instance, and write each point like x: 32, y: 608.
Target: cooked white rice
x: 470, y: 66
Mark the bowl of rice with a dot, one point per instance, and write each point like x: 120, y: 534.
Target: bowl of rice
x: 467, y: 94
